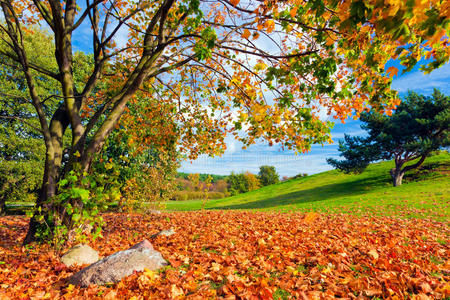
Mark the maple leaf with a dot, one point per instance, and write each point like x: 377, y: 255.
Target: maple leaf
x: 392, y: 71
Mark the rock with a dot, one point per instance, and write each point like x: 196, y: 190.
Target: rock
x: 80, y: 255
x: 166, y: 232
x: 145, y: 244
x: 119, y: 265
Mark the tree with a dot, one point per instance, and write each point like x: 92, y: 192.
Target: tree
x: 236, y: 183
x: 214, y: 67
x: 419, y: 126
x: 242, y: 182
x: 268, y: 175
x: 251, y: 182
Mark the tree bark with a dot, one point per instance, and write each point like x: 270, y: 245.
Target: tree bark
x: 52, y: 171
x: 397, y: 176
x: 48, y: 190
x: 2, y: 206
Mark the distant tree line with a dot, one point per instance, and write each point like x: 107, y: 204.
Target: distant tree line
x: 198, y: 186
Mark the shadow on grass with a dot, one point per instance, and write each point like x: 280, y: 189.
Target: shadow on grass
x: 324, y: 192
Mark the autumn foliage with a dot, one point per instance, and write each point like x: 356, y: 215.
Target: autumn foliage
x: 190, y: 72
x: 247, y: 255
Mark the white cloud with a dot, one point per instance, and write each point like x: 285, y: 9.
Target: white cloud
x: 424, y: 83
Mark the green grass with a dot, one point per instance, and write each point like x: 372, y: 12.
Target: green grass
x: 424, y: 193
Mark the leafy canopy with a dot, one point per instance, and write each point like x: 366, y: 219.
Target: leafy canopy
x: 267, y: 67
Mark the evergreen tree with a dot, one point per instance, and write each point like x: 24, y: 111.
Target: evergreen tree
x: 419, y: 126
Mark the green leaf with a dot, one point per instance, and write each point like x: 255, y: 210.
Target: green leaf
x: 80, y: 193
x: 76, y: 217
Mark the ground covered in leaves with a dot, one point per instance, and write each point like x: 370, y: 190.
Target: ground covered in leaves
x: 247, y: 255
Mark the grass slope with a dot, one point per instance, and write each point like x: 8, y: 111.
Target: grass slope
x: 425, y: 193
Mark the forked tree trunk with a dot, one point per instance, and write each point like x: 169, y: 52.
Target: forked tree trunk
x: 83, y: 150
x: 397, y: 176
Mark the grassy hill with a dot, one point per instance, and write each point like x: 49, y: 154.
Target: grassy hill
x: 424, y: 193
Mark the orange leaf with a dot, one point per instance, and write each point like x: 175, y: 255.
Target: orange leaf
x: 234, y: 2
x: 246, y: 34
x: 293, y: 12
x: 392, y: 71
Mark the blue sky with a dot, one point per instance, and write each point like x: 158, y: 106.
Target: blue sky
x: 286, y: 162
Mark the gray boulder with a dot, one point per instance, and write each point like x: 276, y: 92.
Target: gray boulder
x: 121, y: 264
x: 80, y: 255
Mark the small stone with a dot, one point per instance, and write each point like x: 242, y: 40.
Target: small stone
x: 166, y: 232
x: 80, y: 255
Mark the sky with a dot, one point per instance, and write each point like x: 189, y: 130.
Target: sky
x: 286, y: 162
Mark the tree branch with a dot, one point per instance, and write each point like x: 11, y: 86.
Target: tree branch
x: 417, y: 164
x: 33, y: 66
x: 84, y: 14
x: 22, y: 120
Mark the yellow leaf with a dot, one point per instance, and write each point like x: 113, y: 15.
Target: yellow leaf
x: 149, y: 273
x: 70, y: 288
x: 291, y: 269
x: 260, y: 66
x: 270, y: 25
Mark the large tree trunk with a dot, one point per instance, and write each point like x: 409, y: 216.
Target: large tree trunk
x: 48, y: 190
x: 52, y: 173
x: 397, y: 176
